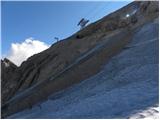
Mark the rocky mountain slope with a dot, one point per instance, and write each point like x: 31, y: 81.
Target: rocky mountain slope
x: 83, y: 55
x: 8, y: 68
x: 126, y: 87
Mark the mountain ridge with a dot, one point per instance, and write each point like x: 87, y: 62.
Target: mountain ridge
x: 38, y: 68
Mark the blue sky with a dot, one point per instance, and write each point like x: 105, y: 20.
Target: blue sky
x: 46, y: 20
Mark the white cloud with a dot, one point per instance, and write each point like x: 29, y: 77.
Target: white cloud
x: 19, y: 52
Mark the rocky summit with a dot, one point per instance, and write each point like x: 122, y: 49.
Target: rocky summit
x: 109, y: 69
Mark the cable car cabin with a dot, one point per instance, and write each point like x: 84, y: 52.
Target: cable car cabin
x: 82, y: 23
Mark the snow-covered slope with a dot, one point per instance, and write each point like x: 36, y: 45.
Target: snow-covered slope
x: 126, y: 87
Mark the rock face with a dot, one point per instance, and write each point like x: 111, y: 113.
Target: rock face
x: 9, y: 81
x: 76, y: 58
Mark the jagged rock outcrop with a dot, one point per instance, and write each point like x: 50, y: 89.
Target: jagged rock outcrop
x: 77, y: 57
x: 8, y: 79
